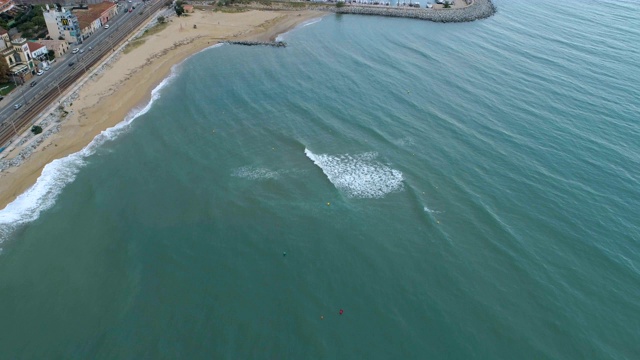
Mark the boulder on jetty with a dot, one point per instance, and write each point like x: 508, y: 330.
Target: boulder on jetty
x: 256, y: 43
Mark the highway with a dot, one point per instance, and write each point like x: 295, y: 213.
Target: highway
x: 62, y: 75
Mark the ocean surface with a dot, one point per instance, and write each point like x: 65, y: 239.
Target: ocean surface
x: 457, y: 191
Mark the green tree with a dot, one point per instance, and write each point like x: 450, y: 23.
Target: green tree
x: 39, y: 21
x: 161, y: 19
x: 36, y: 129
x: 340, y: 4
x: 51, y: 54
x: 25, y: 26
x: 179, y: 9
x: 4, y: 70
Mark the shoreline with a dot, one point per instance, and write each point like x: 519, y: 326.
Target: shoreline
x: 110, y: 99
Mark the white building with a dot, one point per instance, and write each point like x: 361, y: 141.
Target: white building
x: 62, y: 24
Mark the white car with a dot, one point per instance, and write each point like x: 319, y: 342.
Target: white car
x: 40, y: 72
x: 75, y: 51
x: 106, y: 26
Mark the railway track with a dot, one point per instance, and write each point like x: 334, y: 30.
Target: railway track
x: 18, y: 122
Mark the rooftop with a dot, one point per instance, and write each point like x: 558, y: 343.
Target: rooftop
x: 86, y: 17
x: 33, y: 46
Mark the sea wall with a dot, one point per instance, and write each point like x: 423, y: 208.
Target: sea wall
x: 479, y: 9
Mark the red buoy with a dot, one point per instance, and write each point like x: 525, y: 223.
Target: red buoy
x: 341, y: 311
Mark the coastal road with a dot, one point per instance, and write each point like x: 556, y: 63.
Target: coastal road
x: 62, y: 74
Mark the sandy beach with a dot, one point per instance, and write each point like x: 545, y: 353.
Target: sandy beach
x: 107, y: 98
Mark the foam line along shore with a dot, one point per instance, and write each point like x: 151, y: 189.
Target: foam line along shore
x: 108, y: 99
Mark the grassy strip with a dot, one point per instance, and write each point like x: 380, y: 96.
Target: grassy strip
x: 141, y: 40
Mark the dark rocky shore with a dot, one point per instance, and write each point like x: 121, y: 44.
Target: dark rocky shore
x: 480, y: 9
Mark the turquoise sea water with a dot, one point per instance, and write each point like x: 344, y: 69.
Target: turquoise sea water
x: 460, y: 191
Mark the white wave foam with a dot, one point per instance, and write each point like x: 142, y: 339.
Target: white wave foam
x: 282, y: 36
x: 310, y: 22
x: 209, y: 47
x: 359, y: 175
x: 60, y: 172
x: 427, y: 210
x: 253, y: 173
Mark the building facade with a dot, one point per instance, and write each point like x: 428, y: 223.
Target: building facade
x: 63, y: 24
x: 95, y: 17
x: 6, y: 5
x: 59, y: 47
x: 18, y: 57
x: 39, y: 54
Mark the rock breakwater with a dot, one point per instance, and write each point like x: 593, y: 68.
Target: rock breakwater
x: 479, y: 9
x: 258, y: 43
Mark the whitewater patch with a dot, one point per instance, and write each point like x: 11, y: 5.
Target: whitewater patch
x: 427, y: 210
x: 61, y: 172
x: 255, y: 173
x: 360, y: 176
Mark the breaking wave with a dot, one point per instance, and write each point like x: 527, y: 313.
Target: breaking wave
x: 60, y: 172
x: 360, y: 176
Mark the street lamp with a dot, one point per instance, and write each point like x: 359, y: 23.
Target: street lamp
x: 14, y: 127
x: 78, y: 60
x: 24, y: 99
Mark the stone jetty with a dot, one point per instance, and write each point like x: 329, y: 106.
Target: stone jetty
x: 257, y: 43
x: 478, y: 9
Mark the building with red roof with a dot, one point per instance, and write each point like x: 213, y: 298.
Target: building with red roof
x: 95, y: 17
x: 6, y: 5
x: 38, y: 51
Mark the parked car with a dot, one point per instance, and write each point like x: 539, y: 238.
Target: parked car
x: 46, y: 68
x: 1, y: 97
x: 81, y: 51
x: 71, y: 63
x: 106, y: 26
x: 75, y: 51
x: 33, y: 83
x: 17, y: 106
x: 40, y: 72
